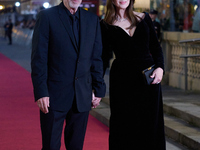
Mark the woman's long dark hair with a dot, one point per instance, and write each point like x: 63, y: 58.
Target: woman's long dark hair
x: 110, y: 15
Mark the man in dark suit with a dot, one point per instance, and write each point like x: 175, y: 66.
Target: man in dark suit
x: 66, y: 67
x: 9, y: 31
x: 153, y: 14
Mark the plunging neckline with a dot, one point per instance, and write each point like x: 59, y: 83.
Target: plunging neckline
x: 126, y: 32
x: 135, y: 28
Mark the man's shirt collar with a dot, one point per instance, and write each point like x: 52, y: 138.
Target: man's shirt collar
x: 77, y: 14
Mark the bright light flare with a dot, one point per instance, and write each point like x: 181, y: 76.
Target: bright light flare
x: 46, y: 5
x: 1, y: 7
x: 17, y: 4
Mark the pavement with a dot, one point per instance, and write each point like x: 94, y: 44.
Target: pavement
x: 182, y: 109
x: 18, y: 53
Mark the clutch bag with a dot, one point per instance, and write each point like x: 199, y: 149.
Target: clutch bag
x: 147, y: 73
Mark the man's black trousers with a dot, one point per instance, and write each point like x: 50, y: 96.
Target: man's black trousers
x: 74, y: 133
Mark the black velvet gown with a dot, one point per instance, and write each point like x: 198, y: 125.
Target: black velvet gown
x: 136, y: 121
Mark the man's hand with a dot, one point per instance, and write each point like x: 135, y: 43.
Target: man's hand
x: 43, y: 104
x: 95, y: 101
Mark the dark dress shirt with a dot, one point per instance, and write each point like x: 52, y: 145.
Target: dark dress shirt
x: 76, y: 23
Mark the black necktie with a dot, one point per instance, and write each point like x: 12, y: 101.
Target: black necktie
x: 75, y: 29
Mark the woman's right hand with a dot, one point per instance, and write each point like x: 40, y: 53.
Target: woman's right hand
x: 157, y: 75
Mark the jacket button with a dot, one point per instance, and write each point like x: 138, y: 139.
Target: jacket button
x: 76, y: 78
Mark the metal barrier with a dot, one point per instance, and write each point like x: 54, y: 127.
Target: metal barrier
x: 20, y: 36
x: 190, y: 41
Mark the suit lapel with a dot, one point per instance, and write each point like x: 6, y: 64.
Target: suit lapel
x: 83, y: 29
x: 63, y: 18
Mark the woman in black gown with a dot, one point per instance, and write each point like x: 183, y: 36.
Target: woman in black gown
x: 136, y: 121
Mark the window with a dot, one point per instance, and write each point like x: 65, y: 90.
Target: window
x: 178, y: 15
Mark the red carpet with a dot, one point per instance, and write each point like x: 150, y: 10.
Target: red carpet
x: 19, y: 115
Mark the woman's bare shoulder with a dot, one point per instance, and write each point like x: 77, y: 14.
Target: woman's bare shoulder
x: 140, y: 15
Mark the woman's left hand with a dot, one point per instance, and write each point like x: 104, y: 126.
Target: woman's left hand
x: 95, y: 101
x: 158, y: 74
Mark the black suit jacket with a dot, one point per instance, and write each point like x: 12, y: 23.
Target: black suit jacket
x: 60, y: 70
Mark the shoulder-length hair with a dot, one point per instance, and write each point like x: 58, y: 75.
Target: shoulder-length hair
x: 110, y: 15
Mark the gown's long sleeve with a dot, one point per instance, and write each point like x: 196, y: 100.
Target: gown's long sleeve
x: 107, y: 52
x: 154, y: 45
